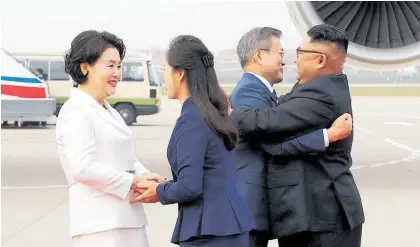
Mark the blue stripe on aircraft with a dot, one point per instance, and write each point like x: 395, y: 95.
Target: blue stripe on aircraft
x: 20, y: 79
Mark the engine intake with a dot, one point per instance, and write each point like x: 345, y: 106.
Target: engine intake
x: 382, y: 35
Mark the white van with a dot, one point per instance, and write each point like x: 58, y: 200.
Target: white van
x: 138, y: 93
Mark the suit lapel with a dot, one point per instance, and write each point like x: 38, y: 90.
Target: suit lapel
x: 110, y: 115
x: 116, y: 118
x: 284, y: 97
x: 252, y: 77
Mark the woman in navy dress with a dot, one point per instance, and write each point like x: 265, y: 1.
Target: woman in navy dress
x: 211, y: 211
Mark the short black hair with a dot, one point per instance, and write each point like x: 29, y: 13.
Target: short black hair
x: 330, y: 34
x: 87, y: 47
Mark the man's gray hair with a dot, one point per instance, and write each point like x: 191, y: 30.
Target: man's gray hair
x: 257, y: 38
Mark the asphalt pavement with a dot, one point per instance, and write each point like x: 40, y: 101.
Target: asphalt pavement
x: 386, y: 166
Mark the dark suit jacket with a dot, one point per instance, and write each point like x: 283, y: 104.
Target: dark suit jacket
x: 204, y: 181
x: 252, y: 157
x: 309, y: 192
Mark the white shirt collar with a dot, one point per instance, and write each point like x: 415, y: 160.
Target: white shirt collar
x: 265, y: 81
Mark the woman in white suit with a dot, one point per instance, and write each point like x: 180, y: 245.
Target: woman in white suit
x: 97, y: 149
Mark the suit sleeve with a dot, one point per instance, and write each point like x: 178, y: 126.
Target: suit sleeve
x: 77, y: 137
x: 191, y: 146
x: 312, y: 142
x: 308, y: 108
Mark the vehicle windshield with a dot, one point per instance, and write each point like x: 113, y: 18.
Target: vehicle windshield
x: 153, y: 75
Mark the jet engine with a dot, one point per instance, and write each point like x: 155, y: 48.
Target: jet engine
x: 382, y: 35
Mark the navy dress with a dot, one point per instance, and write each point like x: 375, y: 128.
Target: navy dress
x: 211, y: 211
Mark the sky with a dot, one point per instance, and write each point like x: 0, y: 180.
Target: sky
x: 50, y: 25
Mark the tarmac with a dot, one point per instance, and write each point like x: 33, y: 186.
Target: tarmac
x: 386, y: 166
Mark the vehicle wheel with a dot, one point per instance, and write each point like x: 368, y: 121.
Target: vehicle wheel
x: 128, y: 112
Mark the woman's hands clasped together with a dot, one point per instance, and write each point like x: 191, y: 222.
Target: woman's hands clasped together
x: 145, y: 188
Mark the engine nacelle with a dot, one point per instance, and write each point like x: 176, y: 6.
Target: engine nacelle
x: 382, y: 35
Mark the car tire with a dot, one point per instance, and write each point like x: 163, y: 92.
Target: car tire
x: 127, y: 112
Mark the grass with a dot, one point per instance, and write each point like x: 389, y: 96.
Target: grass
x: 113, y: 101
x: 356, y: 91
x: 362, y: 91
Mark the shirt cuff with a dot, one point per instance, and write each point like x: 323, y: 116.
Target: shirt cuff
x: 126, y: 186
x: 326, y: 140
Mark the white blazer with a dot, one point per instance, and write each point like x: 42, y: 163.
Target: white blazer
x: 96, y: 148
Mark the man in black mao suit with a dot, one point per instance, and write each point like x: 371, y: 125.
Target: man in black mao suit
x: 261, y: 56
x: 314, y: 200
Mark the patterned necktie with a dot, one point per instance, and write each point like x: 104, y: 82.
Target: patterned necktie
x: 274, y: 92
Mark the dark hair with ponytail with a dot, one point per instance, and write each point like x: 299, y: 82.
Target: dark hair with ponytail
x: 189, y: 53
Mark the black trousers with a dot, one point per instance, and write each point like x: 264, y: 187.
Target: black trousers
x: 341, y: 238
x: 258, y: 238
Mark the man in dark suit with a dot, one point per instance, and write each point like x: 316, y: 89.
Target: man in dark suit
x: 261, y: 57
x: 314, y: 200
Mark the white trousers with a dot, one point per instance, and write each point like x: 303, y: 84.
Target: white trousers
x: 121, y: 237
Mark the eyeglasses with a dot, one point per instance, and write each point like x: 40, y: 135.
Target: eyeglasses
x: 280, y: 53
x: 299, y: 51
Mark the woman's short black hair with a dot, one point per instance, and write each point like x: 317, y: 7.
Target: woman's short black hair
x: 189, y: 53
x: 87, y: 47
